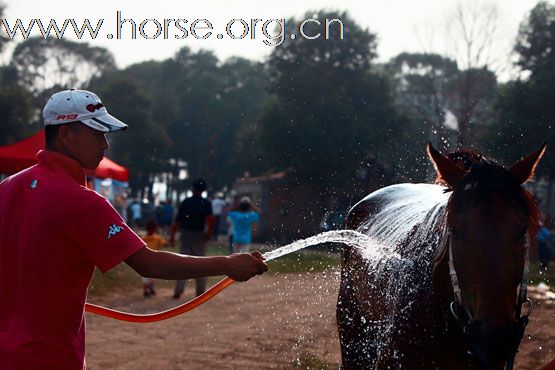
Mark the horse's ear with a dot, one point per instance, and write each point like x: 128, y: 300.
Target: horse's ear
x: 446, y: 169
x: 523, y: 170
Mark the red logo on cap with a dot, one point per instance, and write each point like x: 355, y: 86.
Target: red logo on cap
x: 92, y: 107
x: 67, y: 116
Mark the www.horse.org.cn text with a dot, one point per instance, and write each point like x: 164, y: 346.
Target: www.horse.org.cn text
x: 271, y: 32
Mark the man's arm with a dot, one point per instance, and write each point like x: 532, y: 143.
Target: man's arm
x: 172, y: 266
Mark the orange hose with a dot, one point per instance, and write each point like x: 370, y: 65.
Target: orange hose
x: 163, y: 315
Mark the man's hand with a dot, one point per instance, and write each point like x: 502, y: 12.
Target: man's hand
x: 243, y: 266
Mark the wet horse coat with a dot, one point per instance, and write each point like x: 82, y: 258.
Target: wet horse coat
x: 393, y: 309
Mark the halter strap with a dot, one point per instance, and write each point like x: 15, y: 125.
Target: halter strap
x: 453, y: 273
x: 523, y: 286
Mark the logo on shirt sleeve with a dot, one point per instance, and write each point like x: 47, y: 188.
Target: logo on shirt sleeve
x: 113, y: 230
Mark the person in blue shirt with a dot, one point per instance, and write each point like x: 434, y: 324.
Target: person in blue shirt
x: 242, y: 220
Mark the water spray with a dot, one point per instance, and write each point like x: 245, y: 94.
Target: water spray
x: 350, y: 237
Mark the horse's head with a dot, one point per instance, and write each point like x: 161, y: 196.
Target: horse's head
x: 490, y: 219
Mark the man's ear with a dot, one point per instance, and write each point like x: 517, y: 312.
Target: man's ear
x: 446, y: 169
x: 65, y: 135
x: 524, y: 169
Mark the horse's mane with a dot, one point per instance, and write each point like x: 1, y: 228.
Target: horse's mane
x: 485, y: 178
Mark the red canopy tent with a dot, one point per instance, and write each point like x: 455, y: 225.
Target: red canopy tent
x: 18, y: 156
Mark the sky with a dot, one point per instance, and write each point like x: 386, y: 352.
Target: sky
x: 401, y: 25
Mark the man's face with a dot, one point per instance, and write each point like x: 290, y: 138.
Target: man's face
x: 84, y: 144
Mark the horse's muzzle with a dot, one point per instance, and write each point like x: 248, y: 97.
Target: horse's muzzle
x: 497, y: 342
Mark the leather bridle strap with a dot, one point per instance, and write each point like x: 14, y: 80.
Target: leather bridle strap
x: 453, y: 273
x: 523, y: 286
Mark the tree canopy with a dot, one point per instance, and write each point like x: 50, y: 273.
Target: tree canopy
x: 526, y: 113
x: 46, y: 64
x: 329, y: 107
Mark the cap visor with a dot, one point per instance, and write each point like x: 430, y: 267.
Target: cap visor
x: 105, y: 123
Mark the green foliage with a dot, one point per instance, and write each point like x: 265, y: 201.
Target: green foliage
x: 45, y: 65
x: 329, y: 108
x: 16, y: 103
x: 526, y: 113
x: 535, y: 42
x: 428, y: 85
x: 471, y: 96
x: 518, y: 125
x: 421, y: 83
x: 201, y: 105
x: 4, y: 39
x: 145, y: 144
x: 16, y: 110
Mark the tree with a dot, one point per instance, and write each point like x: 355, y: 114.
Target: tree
x: 474, y: 40
x: 201, y: 104
x: 422, y: 81
x: 4, y: 39
x: 473, y: 32
x: 471, y: 95
x: 526, y: 113
x: 535, y: 48
x: 213, y: 102
x: 241, y: 97
x: 44, y: 65
x: 330, y: 108
x: 16, y: 113
x: 144, y: 145
x: 16, y: 103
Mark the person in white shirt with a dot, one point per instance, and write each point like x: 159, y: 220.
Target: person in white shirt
x: 217, y: 206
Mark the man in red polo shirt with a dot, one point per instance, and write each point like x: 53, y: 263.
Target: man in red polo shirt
x: 54, y: 231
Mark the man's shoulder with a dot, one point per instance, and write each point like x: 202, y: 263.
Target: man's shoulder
x: 19, y: 177
x: 34, y: 178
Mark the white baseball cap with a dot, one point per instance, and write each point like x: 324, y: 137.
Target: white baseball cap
x: 80, y: 105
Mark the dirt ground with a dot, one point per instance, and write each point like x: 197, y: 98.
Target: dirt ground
x: 281, y: 321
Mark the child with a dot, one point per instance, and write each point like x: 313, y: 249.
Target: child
x: 242, y: 220
x: 155, y: 242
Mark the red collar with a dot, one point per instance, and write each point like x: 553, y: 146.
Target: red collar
x: 59, y: 163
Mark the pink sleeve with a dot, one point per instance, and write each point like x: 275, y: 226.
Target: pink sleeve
x: 104, y: 237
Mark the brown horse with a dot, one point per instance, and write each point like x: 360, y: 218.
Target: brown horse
x: 445, y: 285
